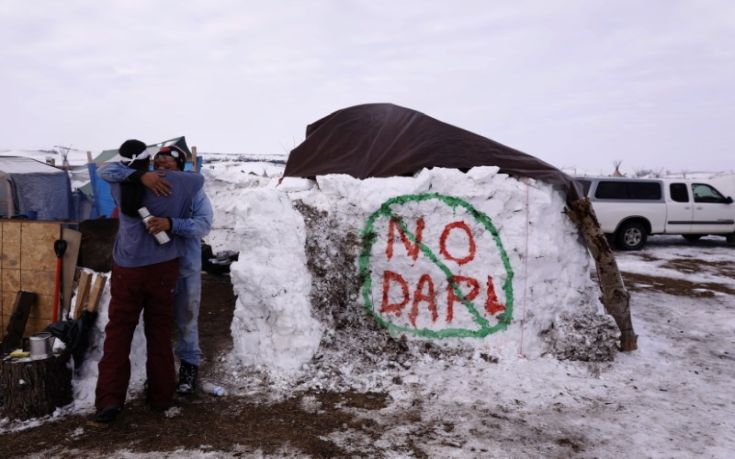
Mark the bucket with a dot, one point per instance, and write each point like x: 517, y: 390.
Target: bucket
x: 41, y: 344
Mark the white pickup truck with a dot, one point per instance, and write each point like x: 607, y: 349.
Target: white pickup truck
x: 631, y: 209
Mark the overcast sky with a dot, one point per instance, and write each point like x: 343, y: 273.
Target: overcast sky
x: 576, y: 83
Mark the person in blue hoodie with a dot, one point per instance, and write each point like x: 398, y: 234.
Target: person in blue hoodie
x: 144, y: 276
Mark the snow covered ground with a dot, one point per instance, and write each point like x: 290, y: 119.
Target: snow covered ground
x: 671, y: 398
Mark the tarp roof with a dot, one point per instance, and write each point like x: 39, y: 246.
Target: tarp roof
x: 39, y: 191
x: 385, y: 140
x: 21, y: 165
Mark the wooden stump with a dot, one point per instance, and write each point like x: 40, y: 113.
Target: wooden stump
x: 35, y: 388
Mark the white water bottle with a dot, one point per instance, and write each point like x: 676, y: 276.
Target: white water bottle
x: 213, y: 389
x: 161, y: 236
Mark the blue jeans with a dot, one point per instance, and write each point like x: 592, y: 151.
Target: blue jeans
x: 186, y: 310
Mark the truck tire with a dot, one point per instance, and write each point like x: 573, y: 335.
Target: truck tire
x: 631, y: 236
x: 692, y: 237
x: 731, y: 239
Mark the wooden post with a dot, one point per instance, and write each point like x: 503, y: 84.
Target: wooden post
x: 85, y: 279
x: 17, y: 324
x: 194, y: 164
x: 73, y: 240
x: 89, y: 157
x: 615, y: 297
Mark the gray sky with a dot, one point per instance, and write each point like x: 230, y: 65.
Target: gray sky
x: 576, y: 83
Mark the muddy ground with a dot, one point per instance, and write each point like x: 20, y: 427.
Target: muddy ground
x: 204, y: 422
x: 299, y: 425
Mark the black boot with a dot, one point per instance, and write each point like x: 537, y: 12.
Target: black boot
x: 108, y: 414
x: 187, y: 378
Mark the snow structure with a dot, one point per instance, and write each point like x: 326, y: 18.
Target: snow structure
x: 523, y: 286
x: 331, y: 271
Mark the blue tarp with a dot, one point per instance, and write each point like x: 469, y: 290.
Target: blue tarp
x: 103, y: 202
x: 39, y: 191
x: 43, y: 196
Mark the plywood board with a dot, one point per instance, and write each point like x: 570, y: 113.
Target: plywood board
x: 28, y: 263
x: 38, y: 282
x: 10, y: 279
x: 37, y: 245
x: 10, y: 256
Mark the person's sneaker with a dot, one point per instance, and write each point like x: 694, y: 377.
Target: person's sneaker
x: 187, y: 378
x: 108, y: 414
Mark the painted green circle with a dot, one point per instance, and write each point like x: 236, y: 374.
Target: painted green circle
x: 369, y: 237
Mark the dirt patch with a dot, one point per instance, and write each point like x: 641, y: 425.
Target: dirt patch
x: 215, y: 317
x: 692, y: 265
x: 646, y: 256
x: 637, y: 282
x: 299, y: 423
x: 236, y: 423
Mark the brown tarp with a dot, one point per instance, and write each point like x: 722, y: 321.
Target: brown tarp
x: 386, y: 140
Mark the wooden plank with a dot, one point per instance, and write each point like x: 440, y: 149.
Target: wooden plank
x: 96, y: 294
x: 73, y: 240
x: 194, y: 159
x: 17, y: 325
x: 85, y: 280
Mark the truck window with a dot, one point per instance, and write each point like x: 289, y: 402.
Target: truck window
x: 618, y: 189
x: 706, y: 193
x: 679, y: 192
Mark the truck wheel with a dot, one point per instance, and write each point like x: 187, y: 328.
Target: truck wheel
x: 631, y: 236
x: 692, y: 237
x: 731, y: 239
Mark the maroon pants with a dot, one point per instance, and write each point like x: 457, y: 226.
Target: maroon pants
x: 151, y: 289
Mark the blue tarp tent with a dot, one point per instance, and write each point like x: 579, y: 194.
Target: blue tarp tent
x: 34, y: 190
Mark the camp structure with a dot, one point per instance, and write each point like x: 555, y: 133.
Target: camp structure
x: 34, y: 190
x: 386, y: 140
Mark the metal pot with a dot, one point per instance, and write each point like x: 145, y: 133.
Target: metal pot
x: 41, y: 345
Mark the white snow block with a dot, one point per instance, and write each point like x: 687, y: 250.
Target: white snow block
x: 272, y: 325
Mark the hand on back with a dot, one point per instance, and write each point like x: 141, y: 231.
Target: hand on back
x: 155, y: 182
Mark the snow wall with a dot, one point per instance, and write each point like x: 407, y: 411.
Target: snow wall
x: 339, y: 277
x: 342, y: 269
